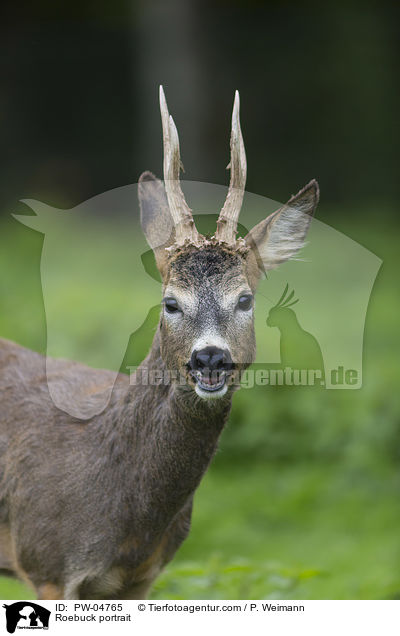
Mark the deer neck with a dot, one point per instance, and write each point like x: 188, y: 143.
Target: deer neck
x: 175, y: 437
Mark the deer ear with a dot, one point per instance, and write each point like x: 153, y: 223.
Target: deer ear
x: 280, y: 236
x: 155, y: 216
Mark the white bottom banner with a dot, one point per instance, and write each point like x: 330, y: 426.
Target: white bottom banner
x: 182, y: 617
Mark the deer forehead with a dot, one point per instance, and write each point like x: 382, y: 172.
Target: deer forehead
x: 212, y: 274
x: 209, y: 292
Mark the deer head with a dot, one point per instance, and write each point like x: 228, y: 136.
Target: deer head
x: 207, y: 320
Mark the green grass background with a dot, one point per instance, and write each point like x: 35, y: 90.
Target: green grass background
x: 302, y: 499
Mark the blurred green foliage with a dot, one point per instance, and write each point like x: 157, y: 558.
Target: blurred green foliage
x: 302, y: 499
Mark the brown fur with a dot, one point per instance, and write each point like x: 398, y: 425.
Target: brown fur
x: 50, y: 592
x: 95, y: 507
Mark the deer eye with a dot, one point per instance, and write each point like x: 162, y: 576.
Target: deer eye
x: 171, y: 306
x: 245, y: 302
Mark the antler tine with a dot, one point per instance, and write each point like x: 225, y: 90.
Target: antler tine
x: 180, y: 211
x: 227, y: 221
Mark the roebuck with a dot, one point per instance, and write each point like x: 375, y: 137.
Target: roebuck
x: 95, y: 508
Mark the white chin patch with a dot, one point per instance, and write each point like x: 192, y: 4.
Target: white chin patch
x: 211, y: 395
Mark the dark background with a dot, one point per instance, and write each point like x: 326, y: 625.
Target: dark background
x: 318, y: 83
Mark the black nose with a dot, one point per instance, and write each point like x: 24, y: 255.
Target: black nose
x: 211, y: 359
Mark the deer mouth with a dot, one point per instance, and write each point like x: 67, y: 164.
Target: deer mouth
x: 210, y: 382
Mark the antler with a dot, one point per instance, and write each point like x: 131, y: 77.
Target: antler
x: 227, y: 221
x: 180, y: 211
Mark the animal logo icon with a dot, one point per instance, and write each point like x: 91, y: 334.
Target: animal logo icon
x: 299, y: 349
x: 26, y: 615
